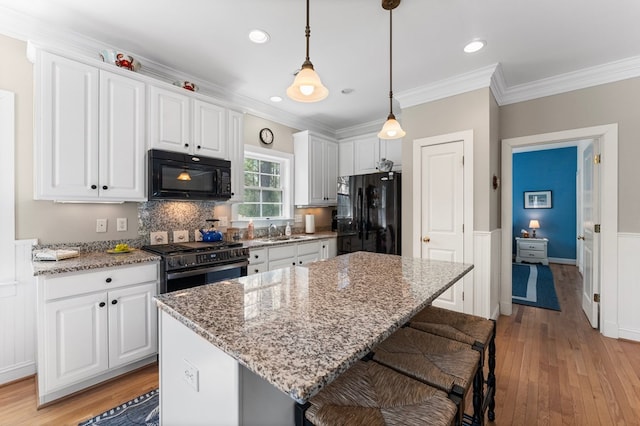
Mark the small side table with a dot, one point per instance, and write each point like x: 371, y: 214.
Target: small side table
x: 532, y: 250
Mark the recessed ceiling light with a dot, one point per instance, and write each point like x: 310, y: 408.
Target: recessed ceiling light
x: 258, y: 36
x: 474, y: 46
x: 275, y: 99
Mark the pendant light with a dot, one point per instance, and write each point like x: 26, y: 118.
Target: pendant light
x: 391, y: 128
x: 307, y: 86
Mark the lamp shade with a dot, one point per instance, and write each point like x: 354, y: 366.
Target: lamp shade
x: 391, y: 129
x: 307, y: 87
x: 534, y: 224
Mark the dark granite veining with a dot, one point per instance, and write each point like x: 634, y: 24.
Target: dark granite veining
x: 300, y: 327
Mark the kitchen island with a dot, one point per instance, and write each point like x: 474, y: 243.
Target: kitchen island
x: 244, y: 351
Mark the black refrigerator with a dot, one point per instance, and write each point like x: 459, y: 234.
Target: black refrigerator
x: 368, y: 216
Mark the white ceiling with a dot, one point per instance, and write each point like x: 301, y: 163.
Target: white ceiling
x: 207, y: 41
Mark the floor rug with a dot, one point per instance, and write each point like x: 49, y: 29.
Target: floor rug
x: 533, y: 285
x: 143, y: 410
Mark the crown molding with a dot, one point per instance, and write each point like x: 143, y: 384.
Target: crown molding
x: 575, y: 80
x: 362, y: 129
x: 455, y: 85
x: 23, y: 27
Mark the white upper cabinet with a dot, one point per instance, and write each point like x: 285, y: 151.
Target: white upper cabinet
x: 90, y: 133
x: 235, y: 125
x: 316, y: 169
x: 361, y: 154
x: 178, y: 122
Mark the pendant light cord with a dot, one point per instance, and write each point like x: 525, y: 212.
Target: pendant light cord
x: 307, y: 34
x: 390, y: 62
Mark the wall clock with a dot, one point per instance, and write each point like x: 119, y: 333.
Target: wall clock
x: 266, y: 136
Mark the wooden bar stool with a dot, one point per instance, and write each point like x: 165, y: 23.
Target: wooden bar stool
x: 370, y: 394
x: 475, y: 331
x: 443, y: 363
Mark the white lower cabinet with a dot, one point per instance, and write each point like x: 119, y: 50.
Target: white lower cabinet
x: 93, y: 326
x: 291, y: 254
x: 257, y: 261
x: 328, y: 248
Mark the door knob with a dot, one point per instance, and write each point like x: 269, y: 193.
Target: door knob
x: 580, y: 237
x: 426, y: 239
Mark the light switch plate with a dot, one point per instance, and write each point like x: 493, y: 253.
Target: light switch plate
x: 101, y: 225
x: 121, y: 224
x: 181, y: 236
x: 223, y: 221
x: 197, y: 236
x: 159, y: 237
x: 298, y: 218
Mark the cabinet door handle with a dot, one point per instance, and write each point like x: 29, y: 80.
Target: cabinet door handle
x: 105, y: 187
x: 94, y: 186
x: 199, y: 147
x: 102, y: 304
x: 114, y: 302
x: 108, y: 280
x: 294, y: 263
x: 300, y: 262
x: 255, y: 271
x: 256, y: 256
x: 186, y: 145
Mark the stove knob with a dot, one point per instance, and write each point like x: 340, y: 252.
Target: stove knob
x: 181, y: 261
x: 172, y: 262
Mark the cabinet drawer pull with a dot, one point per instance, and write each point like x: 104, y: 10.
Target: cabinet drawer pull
x: 256, y: 271
x: 108, y: 280
x: 199, y: 147
x: 102, y: 304
x: 294, y: 263
x: 114, y: 301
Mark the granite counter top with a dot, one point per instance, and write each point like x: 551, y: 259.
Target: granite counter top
x: 296, y: 238
x: 92, y: 260
x: 300, y: 327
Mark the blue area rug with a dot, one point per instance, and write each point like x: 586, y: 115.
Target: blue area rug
x: 533, y: 285
x: 143, y: 410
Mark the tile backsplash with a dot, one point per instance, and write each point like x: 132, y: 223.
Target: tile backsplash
x: 154, y: 216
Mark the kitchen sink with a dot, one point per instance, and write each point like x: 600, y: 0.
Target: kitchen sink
x: 282, y: 238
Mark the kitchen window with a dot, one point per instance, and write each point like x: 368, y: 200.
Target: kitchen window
x: 267, y: 185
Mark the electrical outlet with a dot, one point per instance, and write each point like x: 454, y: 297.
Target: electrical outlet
x: 159, y: 237
x: 190, y: 375
x: 197, y: 235
x: 121, y: 224
x: 101, y: 225
x: 223, y: 221
x: 298, y: 218
x: 180, y: 236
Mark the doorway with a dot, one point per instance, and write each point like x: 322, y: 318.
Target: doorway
x: 608, y: 137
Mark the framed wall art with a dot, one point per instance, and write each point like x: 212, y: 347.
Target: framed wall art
x: 537, y: 199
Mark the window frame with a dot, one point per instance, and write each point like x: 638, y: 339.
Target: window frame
x: 286, y: 179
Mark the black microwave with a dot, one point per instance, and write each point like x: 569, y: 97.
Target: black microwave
x: 177, y: 176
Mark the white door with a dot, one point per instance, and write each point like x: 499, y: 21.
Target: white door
x: 169, y: 120
x: 209, y: 130
x: 122, y: 138
x: 590, y: 238
x: 442, y: 201
x: 76, y: 344
x: 132, y: 324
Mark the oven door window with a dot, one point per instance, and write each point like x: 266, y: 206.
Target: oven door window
x: 181, y: 283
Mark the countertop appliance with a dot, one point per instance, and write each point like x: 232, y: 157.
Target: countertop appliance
x: 177, y: 176
x: 186, y: 265
x: 368, y: 215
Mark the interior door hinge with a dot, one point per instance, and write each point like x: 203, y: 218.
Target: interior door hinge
x: 596, y: 159
x: 463, y: 160
x: 596, y: 297
x: 463, y: 227
x: 463, y: 296
x: 596, y: 228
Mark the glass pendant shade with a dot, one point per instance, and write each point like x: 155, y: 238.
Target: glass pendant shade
x: 391, y: 129
x: 307, y: 87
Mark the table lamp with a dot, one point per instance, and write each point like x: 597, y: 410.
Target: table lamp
x: 534, y: 224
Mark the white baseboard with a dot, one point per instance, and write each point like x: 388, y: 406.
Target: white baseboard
x: 17, y: 371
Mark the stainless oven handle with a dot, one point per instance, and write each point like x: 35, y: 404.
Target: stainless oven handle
x: 192, y: 272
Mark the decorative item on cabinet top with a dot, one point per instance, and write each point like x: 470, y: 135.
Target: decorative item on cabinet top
x: 187, y: 85
x: 120, y: 59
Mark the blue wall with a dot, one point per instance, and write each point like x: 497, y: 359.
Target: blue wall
x: 554, y: 170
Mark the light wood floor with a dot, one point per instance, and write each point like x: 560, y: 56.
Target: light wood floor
x: 552, y: 369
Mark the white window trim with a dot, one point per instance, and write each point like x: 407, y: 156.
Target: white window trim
x: 286, y: 177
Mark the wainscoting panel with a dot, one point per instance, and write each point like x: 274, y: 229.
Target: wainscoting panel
x: 628, y: 286
x: 486, y: 273
x: 17, y: 318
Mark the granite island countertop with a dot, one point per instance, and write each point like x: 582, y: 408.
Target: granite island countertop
x: 300, y: 327
x: 92, y: 260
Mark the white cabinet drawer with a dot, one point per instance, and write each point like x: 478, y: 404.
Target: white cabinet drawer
x: 257, y: 256
x: 257, y: 268
x: 283, y: 252
x: 309, y: 248
x: 535, y: 245
x: 83, y: 282
x: 532, y: 254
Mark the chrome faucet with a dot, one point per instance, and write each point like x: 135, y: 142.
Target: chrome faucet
x: 272, y: 227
